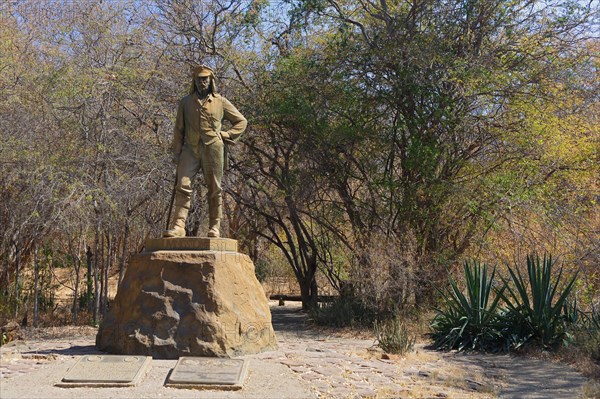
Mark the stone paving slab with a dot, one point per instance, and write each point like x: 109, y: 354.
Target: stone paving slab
x: 106, y: 371
x: 208, y: 373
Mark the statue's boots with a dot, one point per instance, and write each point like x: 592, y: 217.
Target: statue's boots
x: 177, y: 226
x: 214, y: 229
x: 215, y: 213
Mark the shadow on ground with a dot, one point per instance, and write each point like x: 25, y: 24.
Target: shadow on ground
x: 289, y: 319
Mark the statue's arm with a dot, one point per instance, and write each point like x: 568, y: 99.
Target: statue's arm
x: 178, y: 132
x: 238, y: 122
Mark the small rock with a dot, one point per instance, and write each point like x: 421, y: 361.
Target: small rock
x: 473, y: 382
x: 378, y: 379
x: 341, y: 392
x: 291, y: 363
x: 308, y: 376
x: 316, y: 350
x: 476, y: 385
x: 355, y: 377
x: 367, y: 393
x: 320, y: 385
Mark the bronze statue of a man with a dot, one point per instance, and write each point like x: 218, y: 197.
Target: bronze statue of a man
x: 198, y: 143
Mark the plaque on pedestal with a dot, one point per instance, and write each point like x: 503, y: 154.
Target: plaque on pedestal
x: 190, y: 244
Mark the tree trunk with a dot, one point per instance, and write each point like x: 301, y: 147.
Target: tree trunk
x: 96, y: 293
x: 308, y: 292
x: 106, y: 273
x: 17, y: 272
x: 314, y: 290
x: 88, y: 300
x: 4, y: 282
x: 36, y: 292
x: 75, y: 308
x: 101, y: 268
x: 124, y: 254
x: 304, y: 294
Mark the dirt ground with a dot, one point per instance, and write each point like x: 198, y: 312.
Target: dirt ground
x: 309, y: 363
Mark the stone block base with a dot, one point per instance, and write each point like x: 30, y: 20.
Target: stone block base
x: 175, y: 303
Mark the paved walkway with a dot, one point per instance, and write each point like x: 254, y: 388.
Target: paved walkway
x: 307, y: 364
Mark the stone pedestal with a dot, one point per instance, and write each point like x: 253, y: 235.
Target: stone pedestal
x: 188, y: 297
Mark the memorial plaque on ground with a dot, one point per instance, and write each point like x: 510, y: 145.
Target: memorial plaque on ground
x: 208, y: 373
x: 106, y: 371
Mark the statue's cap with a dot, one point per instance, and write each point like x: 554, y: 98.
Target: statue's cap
x: 202, y: 70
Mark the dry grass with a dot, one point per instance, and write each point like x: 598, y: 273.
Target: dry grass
x: 591, y: 390
x: 64, y: 332
x: 581, y: 362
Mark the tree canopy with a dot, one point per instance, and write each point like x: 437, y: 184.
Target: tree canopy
x: 387, y: 140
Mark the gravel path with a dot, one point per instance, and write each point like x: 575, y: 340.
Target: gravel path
x: 307, y: 364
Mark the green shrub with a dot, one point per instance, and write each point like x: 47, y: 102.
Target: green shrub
x: 594, y: 337
x: 261, y: 270
x: 537, y: 307
x: 469, y: 320
x: 587, y: 335
x: 393, y: 337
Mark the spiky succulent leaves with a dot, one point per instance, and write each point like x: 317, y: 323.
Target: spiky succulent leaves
x: 469, y: 320
x: 533, y: 311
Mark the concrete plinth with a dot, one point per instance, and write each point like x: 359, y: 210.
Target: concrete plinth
x: 176, y: 303
x: 191, y: 244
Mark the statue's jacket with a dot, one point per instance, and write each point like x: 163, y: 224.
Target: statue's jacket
x: 199, y: 122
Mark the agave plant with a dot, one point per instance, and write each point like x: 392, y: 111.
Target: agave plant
x: 536, y: 307
x: 469, y: 320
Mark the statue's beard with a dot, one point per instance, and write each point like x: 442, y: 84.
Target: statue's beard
x: 203, y: 92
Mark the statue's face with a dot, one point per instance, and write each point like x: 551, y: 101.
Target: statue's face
x: 202, y: 82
